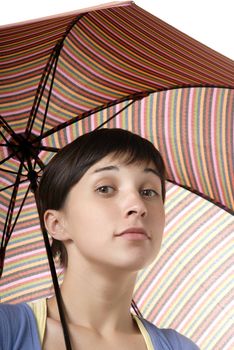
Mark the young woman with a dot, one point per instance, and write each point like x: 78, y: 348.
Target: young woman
x: 102, y: 201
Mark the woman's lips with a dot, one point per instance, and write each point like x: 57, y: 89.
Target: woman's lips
x: 134, y: 233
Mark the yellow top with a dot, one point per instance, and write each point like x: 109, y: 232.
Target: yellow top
x: 39, y: 309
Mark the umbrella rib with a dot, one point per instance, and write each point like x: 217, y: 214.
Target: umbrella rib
x: 115, y: 115
x: 136, y: 309
x: 20, y: 182
x: 42, y: 84
x: 7, y: 226
x: 202, y: 195
x: 61, y: 126
x: 10, y: 171
x: 7, y: 230
x: 19, y: 211
x: 40, y: 91
x: 10, y: 131
x: 50, y: 149
x: 73, y: 120
x: 39, y: 162
x: 50, y: 91
x: 7, y: 158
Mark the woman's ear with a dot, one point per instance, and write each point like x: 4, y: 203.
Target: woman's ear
x: 55, y: 224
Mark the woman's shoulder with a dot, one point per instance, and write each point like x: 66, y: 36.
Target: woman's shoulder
x: 14, y: 314
x: 18, y: 327
x: 168, y: 339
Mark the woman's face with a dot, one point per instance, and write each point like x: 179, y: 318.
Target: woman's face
x: 114, y: 216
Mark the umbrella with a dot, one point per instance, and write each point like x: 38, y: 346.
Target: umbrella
x: 119, y: 66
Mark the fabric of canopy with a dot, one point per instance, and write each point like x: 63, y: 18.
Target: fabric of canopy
x: 109, y: 55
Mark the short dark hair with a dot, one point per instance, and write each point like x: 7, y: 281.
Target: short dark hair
x: 69, y: 165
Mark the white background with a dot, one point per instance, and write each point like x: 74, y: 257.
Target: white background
x: 209, y: 21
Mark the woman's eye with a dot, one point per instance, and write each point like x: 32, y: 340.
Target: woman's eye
x: 149, y: 193
x: 105, y: 189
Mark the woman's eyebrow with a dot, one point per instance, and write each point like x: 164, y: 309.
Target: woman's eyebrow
x: 151, y: 170
x: 109, y: 167
x: 114, y: 167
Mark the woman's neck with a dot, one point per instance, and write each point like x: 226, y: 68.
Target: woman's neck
x: 97, y: 298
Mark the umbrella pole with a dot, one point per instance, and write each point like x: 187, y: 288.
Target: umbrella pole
x: 34, y: 185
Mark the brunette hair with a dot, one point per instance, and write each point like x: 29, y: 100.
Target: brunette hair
x: 69, y: 165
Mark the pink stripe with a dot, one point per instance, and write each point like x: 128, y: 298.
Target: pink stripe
x: 17, y: 93
x: 69, y: 135
x: 93, y: 124
x: 109, y: 45
x: 89, y: 88
x: 69, y: 102
x: 31, y: 229
x: 191, y: 141
x: 215, y: 145
x: 5, y: 182
x: 24, y: 72
x: 27, y: 279
x: 56, y: 118
x: 25, y: 255
x: 17, y: 111
x: 25, y: 57
x: 167, y: 130
x: 142, y: 105
x: 119, y: 118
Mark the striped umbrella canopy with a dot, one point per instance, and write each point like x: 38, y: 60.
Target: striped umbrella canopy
x: 119, y: 66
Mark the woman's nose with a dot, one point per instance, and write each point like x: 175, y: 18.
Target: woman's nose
x: 134, y: 205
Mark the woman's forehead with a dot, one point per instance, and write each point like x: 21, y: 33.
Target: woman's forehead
x: 122, y: 160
